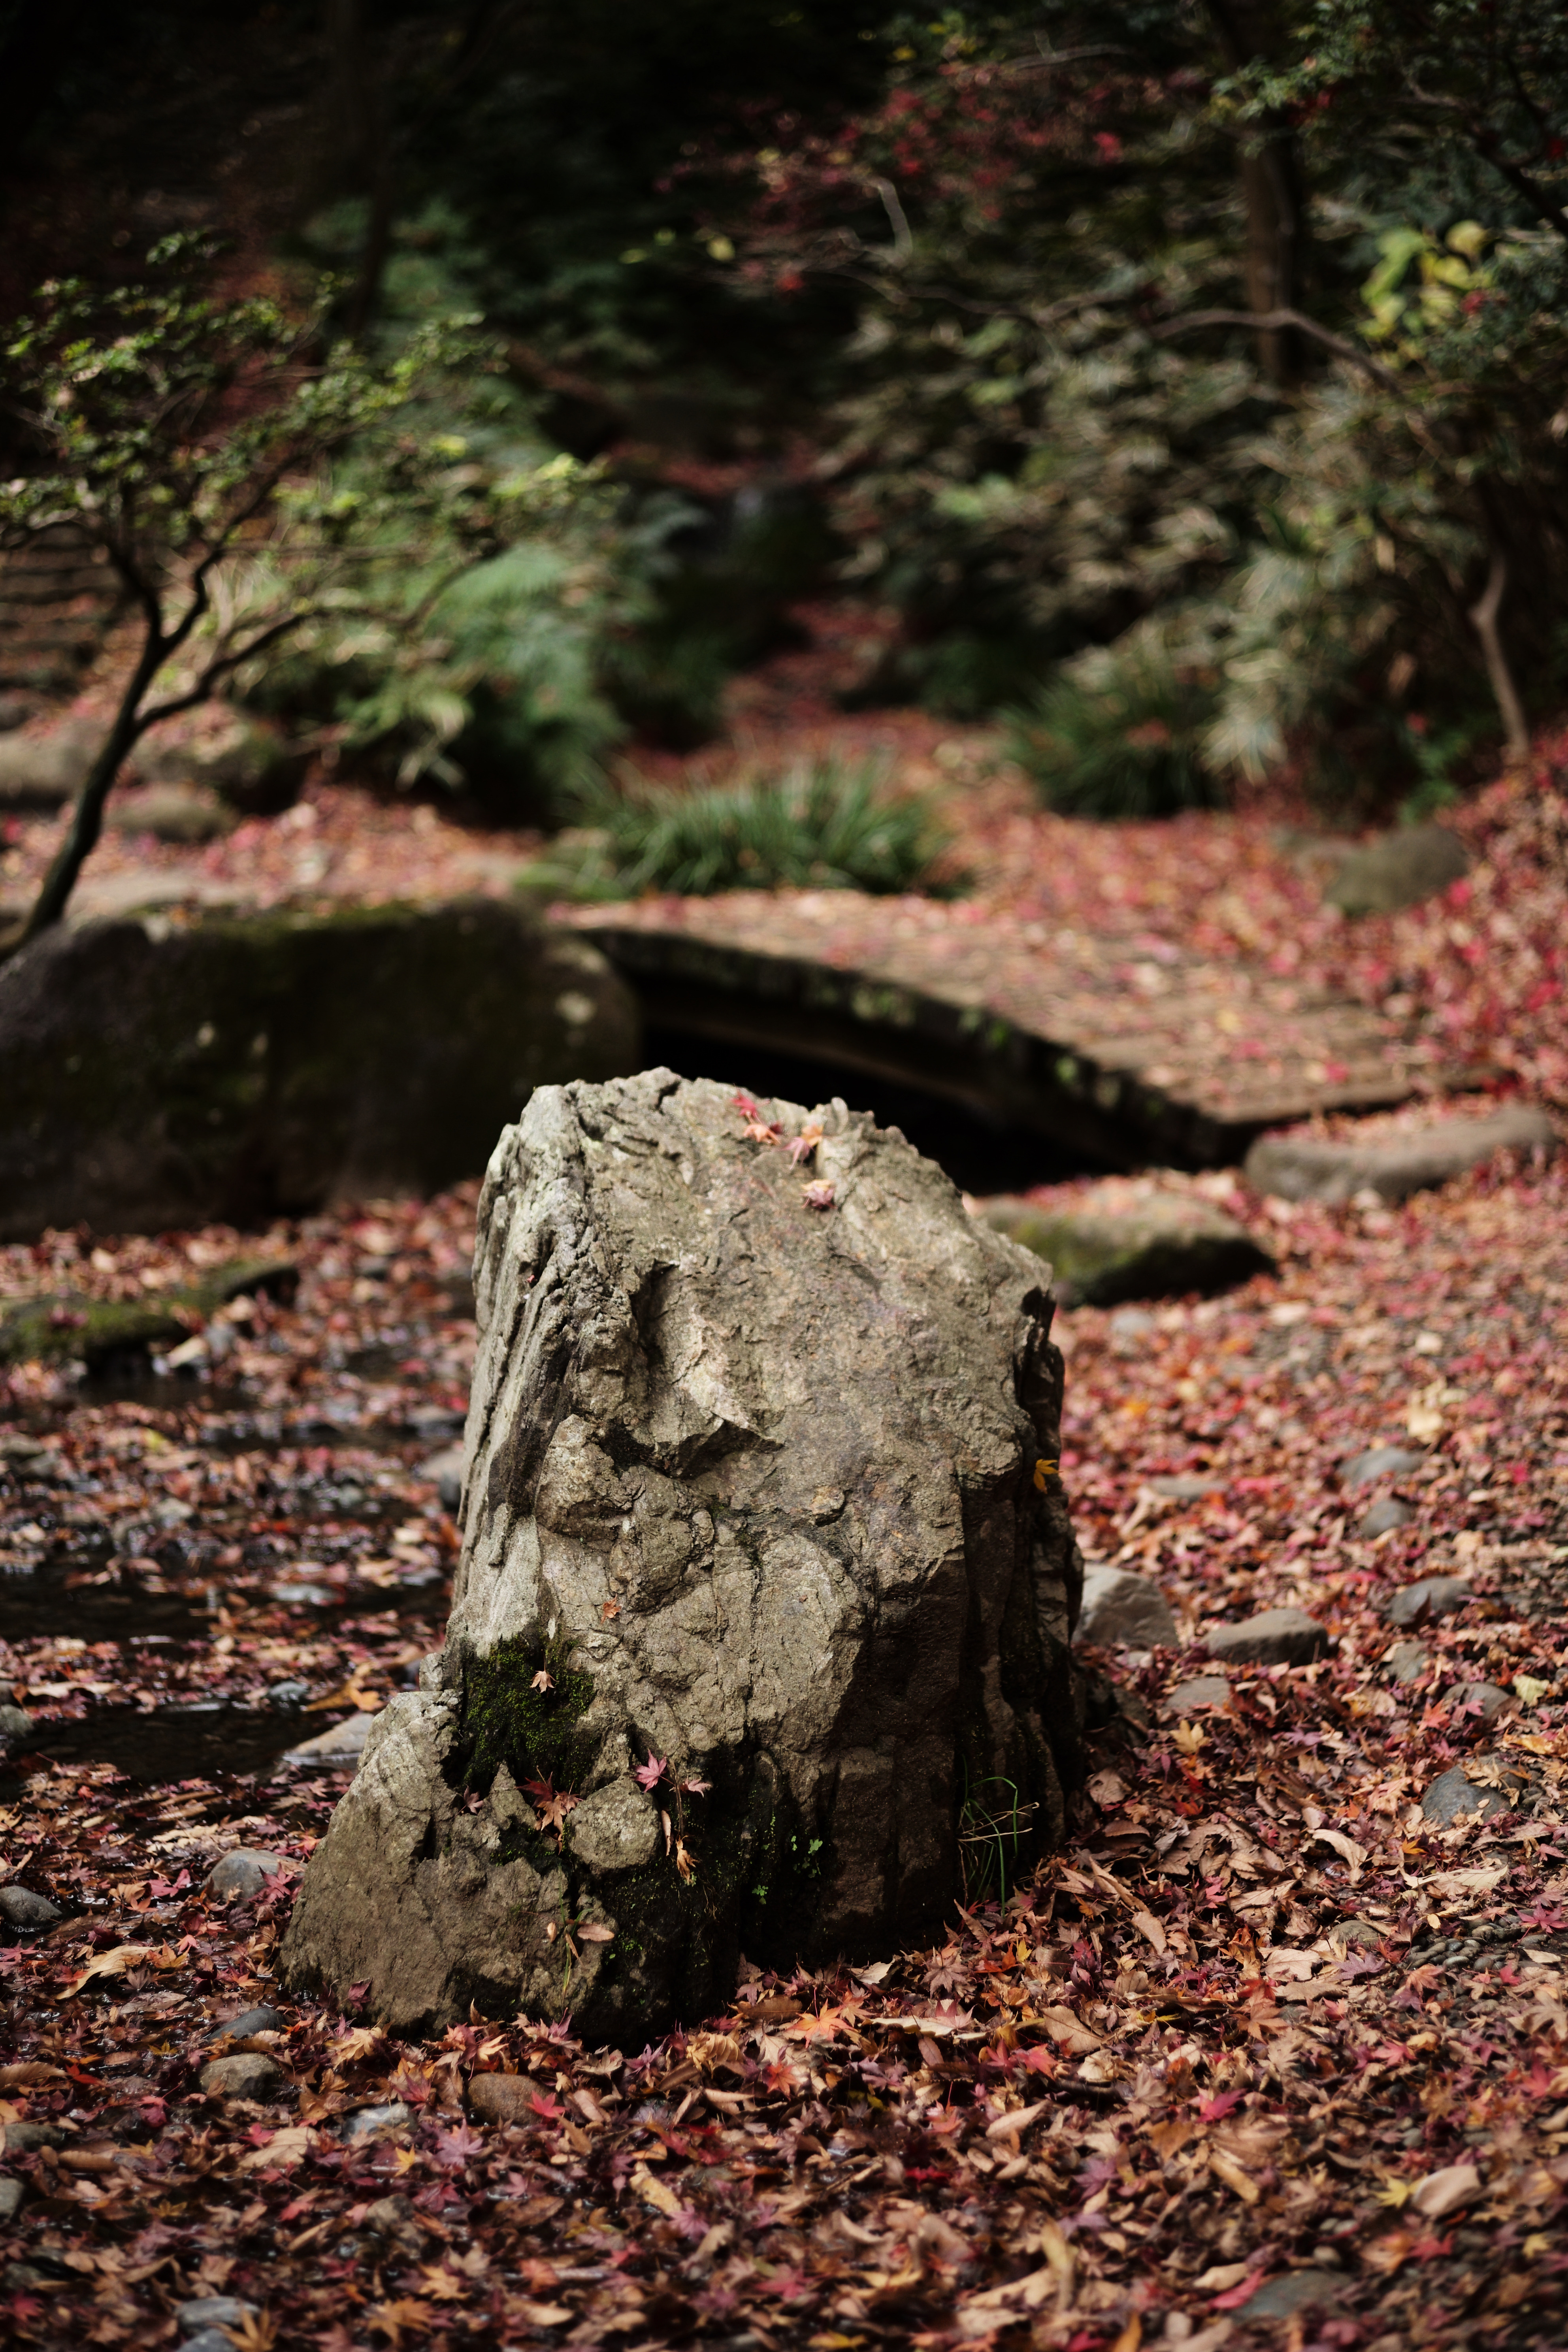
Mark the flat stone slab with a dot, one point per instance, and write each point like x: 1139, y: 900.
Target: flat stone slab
x: 1379, y: 1462
x: 1276, y: 1637
x: 1133, y: 1057
x: 1398, y: 869
x: 1131, y: 1238
x: 1198, y: 1692
x: 343, y: 1743
x: 1316, y: 1167
x: 1124, y: 1610
x: 1423, y: 1602
x: 1295, y: 2291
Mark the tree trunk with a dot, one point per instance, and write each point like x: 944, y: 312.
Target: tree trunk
x: 1272, y: 191
x: 366, y: 146
x: 87, y: 816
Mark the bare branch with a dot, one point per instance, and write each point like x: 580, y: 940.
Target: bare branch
x: 1269, y: 322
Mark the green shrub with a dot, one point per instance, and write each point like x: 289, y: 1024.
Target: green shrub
x: 826, y: 825
x: 1119, y: 732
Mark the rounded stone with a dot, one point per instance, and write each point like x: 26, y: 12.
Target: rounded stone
x: 1275, y: 1637
x: 1485, y: 1701
x: 243, y: 1872
x: 1379, y: 1462
x: 20, y: 1907
x: 248, y: 2074
x: 250, y: 2021
x: 1452, y: 1796
x: 15, y: 1724
x: 1124, y: 1610
x: 1423, y: 1602
x: 1406, y: 1661
x: 367, y: 2122
x: 1383, y: 1517
x: 502, y: 2098
x: 12, y: 2192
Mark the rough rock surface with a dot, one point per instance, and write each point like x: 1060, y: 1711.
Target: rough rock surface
x: 1125, y: 1609
x: 1398, y: 869
x: 1315, y: 1167
x: 1387, y: 1514
x: 231, y: 1068
x: 1275, y: 1637
x: 21, y: 1908
x: 761, y: 1496
x: 1407, y: 1661
x: 1130, y: 1238
x: 341, y: 1743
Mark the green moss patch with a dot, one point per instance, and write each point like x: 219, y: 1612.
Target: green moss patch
x: 508, y: 1720
x: 66, y: 1323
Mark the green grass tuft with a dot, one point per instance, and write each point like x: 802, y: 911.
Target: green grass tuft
x: 829, y: 825
x: 1119, y: 733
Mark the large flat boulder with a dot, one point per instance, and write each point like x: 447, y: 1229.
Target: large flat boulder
x: 1336, y: 1168
x: 166, y: 1071
x: 766, y: 1587
x: 1131, y: 1237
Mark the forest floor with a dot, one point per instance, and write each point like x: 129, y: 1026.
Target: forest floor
x: 1262, y: 2021
x: 1266, y: 2054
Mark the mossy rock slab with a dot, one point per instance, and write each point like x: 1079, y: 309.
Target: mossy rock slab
x: 1127, y: 1239
x: 1398, y: 869
x: 100, y: 1332
x: 161, y: 1072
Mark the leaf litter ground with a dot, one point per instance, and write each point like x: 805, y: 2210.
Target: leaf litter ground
x: 1265, y: 2056
x: 1261, y: 2019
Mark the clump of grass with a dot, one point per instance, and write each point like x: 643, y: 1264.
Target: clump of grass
x: 829, y: 825
x: 1119, y: 733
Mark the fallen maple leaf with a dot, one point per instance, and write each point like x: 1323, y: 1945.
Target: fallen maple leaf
x: 593, y: 1931
x: 818, y: 1196
x: 553, y: 1804
x: 649, y: 1775
x: 543, y: 1680
x: 806, y: 1141
x: 683, y: 1860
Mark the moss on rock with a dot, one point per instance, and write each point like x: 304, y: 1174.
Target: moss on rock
x: 172, y: 1070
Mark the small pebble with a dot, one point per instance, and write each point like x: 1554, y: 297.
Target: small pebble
x: 1486, y: 1698
x: 24, y: 2138
x: 1202, y: 1690
x: 15, y: 1724
x: 12, y: 2192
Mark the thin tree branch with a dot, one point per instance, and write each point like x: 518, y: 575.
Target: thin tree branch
x: 1266, y: 322
x: 904, y: 243
x: 1484, y: 615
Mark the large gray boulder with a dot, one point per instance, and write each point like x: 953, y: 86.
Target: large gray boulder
x: 164, y: 1072
x: 761, y: 1505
